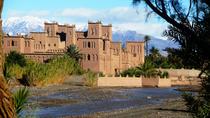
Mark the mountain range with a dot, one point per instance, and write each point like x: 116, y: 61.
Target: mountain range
x: 28, y: 24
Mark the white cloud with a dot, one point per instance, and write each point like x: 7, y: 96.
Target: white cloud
x: 122, y: 18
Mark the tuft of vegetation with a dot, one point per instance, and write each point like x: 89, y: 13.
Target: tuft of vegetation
x: 73, y: 52
x: 145, y: 70
x: 39, y: 74
x: 101, y: 74
x: 90, y: 79
x: 163, y: 74
x: 20, y: 100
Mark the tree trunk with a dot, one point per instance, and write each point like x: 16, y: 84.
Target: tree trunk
x: 7, y: 108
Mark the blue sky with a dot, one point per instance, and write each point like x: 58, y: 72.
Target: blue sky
x: 120, y: 13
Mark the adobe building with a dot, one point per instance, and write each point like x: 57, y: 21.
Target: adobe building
x: 100, y: 53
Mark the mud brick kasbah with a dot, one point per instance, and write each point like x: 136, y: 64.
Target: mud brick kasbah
x: 100, y: 53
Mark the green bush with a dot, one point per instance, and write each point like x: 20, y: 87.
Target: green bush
x: 15, y: 58
x: 90, y: 79
x: 53, y: 72
x: 163, y: 74
x: 145, y: 70
x: 101, y: 74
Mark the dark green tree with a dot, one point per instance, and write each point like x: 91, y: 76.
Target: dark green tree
x: 146, y: 70
x: 190, y: 27
x: 73, y: 52
x: 146, y: 40
x: 15, y: 58
x: 154, y: 53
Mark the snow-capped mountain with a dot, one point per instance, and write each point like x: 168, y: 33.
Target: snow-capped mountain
x: 130, y: 35
x: 28, y: 24
x: 25, y: 24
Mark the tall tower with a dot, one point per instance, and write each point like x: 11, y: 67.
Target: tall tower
x: 94, y: 30
x: 71, y: 35
x: 51, y: 28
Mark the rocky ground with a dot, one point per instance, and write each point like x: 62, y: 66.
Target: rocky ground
x: 171, y: 108
x: 75, y: 101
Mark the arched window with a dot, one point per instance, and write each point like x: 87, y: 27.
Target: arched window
x: 94, y: 44
x: 88, y: 44
x: 13, y: 43
x: 25, y: 43
x: 28, y: 43
x: 88, y: 57
x: 104, y: 45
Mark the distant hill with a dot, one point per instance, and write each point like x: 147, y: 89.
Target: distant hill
x: 28, y: 24
x: 129, y: 35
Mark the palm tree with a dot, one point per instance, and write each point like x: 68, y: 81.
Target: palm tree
x: 146, y: 40
x: 146, y: 70
x: 154, y: 53
x: 7, y: 108
x: 73, y: 52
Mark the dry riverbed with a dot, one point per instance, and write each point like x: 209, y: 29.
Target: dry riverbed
x: 83, y: 102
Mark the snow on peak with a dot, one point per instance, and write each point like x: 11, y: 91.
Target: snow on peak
x: 24, y: 24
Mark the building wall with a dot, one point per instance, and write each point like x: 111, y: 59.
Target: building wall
x: 100, y: 54
x: 13, y: 43
x: 89, y: 49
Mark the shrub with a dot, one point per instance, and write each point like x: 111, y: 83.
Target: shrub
x: 163, y: 74
x: 14, y: 58
x: 130, y: 72
x: 101, y: 74
x: 90, y: 79
x: 53, y: 72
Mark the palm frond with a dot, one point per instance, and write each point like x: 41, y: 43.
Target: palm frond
x: 20, y: 99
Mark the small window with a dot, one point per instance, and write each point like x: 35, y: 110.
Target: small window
x: 49, y: 45
x: 55, y: 45
x: 88, y: 57
x: 94, y: 45
x: 13, y: 43
x: 88, y: 44
x: 25, y: 43
x: 104, y: 45
x: 134, y: 55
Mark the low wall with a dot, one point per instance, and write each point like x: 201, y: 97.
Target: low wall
x: 182, y: 81
x: 156, y: 82
x: 150, y: 82
x: 119, y: 82
x: 182, y: 72
x: 145, y: 82
x: 164, y: 82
